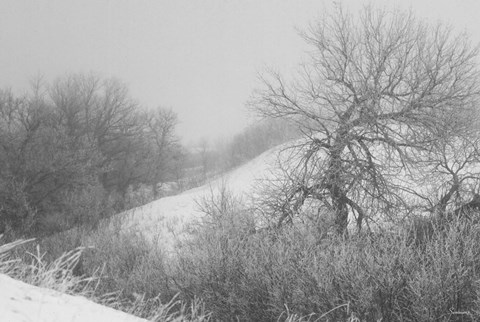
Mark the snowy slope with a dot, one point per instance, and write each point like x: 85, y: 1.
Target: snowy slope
x: 20, y: 302
x: 164, y: 220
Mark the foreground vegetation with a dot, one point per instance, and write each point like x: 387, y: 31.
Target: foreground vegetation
x: 421, y: 272
x: 59, y: 275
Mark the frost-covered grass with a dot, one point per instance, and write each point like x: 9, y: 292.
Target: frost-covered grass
x: 301, y: 272
x: 60, y: 275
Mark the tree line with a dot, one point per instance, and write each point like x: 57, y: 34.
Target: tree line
x: 70, y: 150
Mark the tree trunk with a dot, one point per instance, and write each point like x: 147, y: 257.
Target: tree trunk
x: 339, y: 202
x: 336, y: 184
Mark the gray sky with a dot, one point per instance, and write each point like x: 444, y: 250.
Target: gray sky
x: 199, y: 57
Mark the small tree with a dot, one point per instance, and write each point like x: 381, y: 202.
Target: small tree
x: 160, y: 128
x: 102, y: 115
x: 375, y: 99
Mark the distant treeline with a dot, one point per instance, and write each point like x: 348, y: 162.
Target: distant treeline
x: 70, y: 150
x: 258, y: 138
x: 255, y: 139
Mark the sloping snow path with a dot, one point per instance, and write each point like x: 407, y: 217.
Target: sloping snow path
x: 20, y: 302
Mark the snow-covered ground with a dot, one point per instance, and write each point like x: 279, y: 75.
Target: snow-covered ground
x: 20, y: 302
x: 164, y: 220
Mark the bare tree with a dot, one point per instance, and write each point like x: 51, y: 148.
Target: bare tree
x: 42, y: 160
x: 102, y: 114
x: 377, y: 95
x: 161, y: 125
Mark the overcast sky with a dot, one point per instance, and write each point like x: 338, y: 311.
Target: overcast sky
x: 198, y: 57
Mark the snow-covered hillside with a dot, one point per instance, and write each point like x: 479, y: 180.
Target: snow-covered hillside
x: 164, y: 220
x: 20, y: 302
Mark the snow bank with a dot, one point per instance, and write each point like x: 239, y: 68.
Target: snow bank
x: 20, y: 302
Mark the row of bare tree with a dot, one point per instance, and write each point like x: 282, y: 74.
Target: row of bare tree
x: 67, y: 146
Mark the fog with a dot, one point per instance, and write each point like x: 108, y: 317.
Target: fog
x: 200, y: 58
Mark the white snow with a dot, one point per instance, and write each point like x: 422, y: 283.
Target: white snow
x: 20, y: 302
x: 164, y: 220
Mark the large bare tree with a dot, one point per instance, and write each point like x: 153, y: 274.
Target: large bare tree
x: 376, y: 98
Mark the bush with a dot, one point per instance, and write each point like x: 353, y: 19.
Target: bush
x: 297, y: 274
x: 59, y: 275
x: 128, y: 262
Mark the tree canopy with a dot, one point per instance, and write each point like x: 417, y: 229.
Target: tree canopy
x: 387, y: 103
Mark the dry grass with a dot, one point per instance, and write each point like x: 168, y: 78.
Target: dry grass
x: 59, y: 275
x: 299, y: 273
